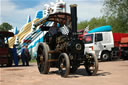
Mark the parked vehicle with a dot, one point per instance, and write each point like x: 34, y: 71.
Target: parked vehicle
x: 124, y: 47
x: 102, y: 42
x: 62, y: 48
x: 82, y: 33
x: 6, y: 56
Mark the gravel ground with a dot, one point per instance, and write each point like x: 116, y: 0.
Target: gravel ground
x: 110, y: 73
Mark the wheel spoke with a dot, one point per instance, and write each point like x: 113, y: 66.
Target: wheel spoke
x: 62, y: 66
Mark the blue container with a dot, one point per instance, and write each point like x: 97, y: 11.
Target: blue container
x: 101, y: 29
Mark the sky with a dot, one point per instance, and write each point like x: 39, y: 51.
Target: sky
x: 16, y: 12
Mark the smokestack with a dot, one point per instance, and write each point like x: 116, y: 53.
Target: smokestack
x: 73, y: 9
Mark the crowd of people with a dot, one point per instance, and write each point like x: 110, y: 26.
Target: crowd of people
x: 25, y: 56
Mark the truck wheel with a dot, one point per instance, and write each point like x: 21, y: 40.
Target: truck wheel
x: 91, y: 64
x: 105, y: 56
x: 42, y: 58
x: 64, y: 65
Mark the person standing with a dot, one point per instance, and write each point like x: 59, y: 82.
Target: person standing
x: 25, y: 56
x: 15, y: 55
x: 26, y: 53
x: 22, y: 56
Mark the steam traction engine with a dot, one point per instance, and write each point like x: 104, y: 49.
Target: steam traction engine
x: 62, y: 48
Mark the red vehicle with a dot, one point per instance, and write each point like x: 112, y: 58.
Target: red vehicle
x: 121, y: 43
x: 82, y: 34
x: 5, y: 52
x: 117, y: 38
x: 124, y: 47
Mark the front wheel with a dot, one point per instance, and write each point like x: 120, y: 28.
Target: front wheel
x: 91, y: 64
x: 64, y: 65
x: 105, y: 56
x: 42, y: 58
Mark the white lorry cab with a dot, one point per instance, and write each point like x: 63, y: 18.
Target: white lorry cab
x: 100, y: 42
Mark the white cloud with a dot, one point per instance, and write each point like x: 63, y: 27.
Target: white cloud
x: 87, y: 10
x: 14, y: 16
x: 18, y: 17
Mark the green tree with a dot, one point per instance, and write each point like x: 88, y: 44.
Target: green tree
x: 5, y: 27
x: 82, y: 24
x: 97, y: 22
x: 93, y: 23
x: 117, y: 13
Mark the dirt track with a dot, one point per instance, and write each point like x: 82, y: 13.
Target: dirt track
x: 110, y: 73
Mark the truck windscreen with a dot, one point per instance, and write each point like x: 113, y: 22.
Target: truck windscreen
x: 88, y: 39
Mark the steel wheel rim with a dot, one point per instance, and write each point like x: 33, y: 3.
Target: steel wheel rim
x: 41, y: 59
x: 62, y: 65
x: 91, y: 64
x: 105, y: 56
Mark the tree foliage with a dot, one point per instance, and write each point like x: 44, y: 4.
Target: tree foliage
x: 117, y: 11
x: 115, y: 14
x: 5, y: 27
x: 93, y: 23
